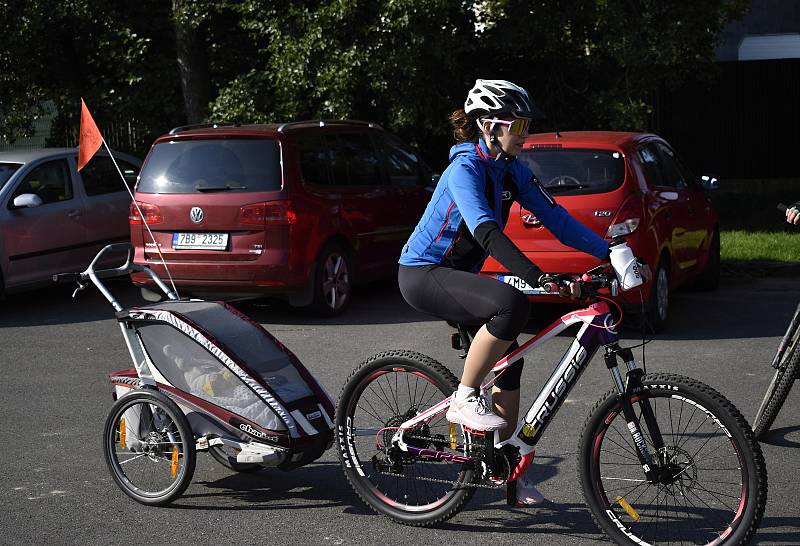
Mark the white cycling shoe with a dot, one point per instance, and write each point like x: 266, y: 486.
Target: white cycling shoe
x: 474, y: 412
x: 527, y: 493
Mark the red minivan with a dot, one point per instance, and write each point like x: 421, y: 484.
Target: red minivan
x: 628, y: 185
x: 299, y: 211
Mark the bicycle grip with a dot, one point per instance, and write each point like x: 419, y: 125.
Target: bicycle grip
x: 782, y: 207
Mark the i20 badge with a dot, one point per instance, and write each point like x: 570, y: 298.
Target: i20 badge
x: 196, y: 215
x: 603, y: 213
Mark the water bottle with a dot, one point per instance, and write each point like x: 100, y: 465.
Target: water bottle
x: 625, y: 266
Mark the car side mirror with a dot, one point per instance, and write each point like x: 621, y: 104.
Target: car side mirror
x: 432, y: 184
x: 27, y: 200
x: 708, y: 182
x: 668, y: 195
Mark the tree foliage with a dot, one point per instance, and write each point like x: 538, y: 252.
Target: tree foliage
x: 403, y: 63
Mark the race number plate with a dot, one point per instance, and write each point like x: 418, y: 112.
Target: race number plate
x: 200, y: 241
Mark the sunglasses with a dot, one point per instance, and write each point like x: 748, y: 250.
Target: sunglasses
x: 519, y: 126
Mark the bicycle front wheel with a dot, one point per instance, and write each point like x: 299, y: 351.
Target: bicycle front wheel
x: 712, y: 480
x: 149, y: 447
x: 779, y: 387
x: 385, y: 391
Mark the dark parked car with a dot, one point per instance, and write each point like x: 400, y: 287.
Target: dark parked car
x: 630, y: 185
x: 54, y: 219
x: 299, y: 211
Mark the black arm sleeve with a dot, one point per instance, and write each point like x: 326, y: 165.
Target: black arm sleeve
x: 500, y: 247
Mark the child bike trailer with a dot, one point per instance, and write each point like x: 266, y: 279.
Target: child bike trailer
x: 207, y: 377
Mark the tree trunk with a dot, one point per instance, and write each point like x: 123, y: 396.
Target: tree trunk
x: 192, y: 65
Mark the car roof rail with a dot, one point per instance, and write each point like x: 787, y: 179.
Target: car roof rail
x: 176, y: 130
x: 327, y: 123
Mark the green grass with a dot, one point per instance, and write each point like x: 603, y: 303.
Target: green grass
x: 760, y: 245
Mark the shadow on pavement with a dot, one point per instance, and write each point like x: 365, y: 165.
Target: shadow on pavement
x: 779, y: 437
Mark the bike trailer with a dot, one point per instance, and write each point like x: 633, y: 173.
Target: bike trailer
x: 230, y: 377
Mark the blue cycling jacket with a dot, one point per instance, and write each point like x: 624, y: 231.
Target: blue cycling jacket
x: 462, y: 196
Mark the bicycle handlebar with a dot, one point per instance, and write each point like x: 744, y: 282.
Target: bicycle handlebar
x: 89, y: 274
x: 782, y: 207
x: 590, y: 283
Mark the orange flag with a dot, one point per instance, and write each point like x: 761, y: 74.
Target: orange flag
x: 91, y: 139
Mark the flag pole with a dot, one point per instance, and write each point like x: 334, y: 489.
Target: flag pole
x: 141, y: 215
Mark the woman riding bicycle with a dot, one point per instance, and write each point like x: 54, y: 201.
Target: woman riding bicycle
x: 462, y: 224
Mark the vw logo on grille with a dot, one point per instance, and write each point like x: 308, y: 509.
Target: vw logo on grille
x: 196, y: 215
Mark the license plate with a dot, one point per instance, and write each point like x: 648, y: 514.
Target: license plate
x: 200, y: 241
x: 516, y: 282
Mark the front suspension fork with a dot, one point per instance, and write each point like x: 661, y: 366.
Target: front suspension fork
x: 629, y: 388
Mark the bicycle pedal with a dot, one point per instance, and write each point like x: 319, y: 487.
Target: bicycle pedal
x: 474, y: 432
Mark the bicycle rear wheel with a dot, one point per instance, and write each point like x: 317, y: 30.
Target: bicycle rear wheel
x: 712, y: 481
x: 149, y: 447
x: 386, y: 390
x: 781, y: 384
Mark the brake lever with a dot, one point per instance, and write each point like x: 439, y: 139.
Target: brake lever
x: 81, y: 286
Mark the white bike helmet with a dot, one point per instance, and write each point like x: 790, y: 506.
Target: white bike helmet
x: 497, y: 97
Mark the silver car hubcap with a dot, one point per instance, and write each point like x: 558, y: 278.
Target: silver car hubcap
x: 336, y: 283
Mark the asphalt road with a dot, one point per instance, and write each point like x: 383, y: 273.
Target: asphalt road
x: 55, y: 353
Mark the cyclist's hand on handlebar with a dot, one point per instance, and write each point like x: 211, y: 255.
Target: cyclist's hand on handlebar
x: 793, y: 215
x: 563, y: 285
x: 571, y: 290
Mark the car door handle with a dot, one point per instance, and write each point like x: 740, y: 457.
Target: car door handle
x: 74, y: 213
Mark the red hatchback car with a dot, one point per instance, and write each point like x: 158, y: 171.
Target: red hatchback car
x: 629, y: 185
x: 300, y: 211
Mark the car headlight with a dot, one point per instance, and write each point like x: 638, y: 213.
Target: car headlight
x: 623, y: 228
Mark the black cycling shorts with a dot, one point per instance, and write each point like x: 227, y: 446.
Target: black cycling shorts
x: 471, y: 300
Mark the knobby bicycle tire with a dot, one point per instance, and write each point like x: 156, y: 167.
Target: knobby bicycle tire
x: 776, y: 394
x: 712, y: 480
x: 384, y: 391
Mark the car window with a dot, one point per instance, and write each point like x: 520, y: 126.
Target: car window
x: 100, y: 176
x: 197, y: 166
x: 314, y: 159
x: 402, y: 165
x: 354, y: 161
x: 571, y: 171
x: 51, y: 181
x: 672, y: 175
x: 649, y: 159
x: 6, y: 170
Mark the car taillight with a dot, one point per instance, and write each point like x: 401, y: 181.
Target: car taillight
x: 627, y: 220
x: 151, y: 213
x: 273, y: 213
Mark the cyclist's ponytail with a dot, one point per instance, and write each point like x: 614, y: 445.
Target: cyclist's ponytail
x: 464, y: 127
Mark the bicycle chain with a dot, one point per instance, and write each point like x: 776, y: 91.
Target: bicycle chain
x: 438, y: 480
x: 449, y: 482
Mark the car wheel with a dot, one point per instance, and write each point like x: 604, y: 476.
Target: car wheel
x: 709, y: 278
x: 657, y: 311
x: 332, y: 281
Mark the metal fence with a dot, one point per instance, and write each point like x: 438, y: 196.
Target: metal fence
x: 126, y: 135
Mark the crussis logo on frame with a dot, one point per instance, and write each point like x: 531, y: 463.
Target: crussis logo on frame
x: 555, y: 398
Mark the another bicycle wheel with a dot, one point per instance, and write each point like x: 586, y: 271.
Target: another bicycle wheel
x: 149, y: 447
x: 782, y: 381
x: 386, y: 390
x: 712, y: 482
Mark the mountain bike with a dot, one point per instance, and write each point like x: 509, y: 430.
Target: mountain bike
x: 787, y: 369
x: 662, y: 458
